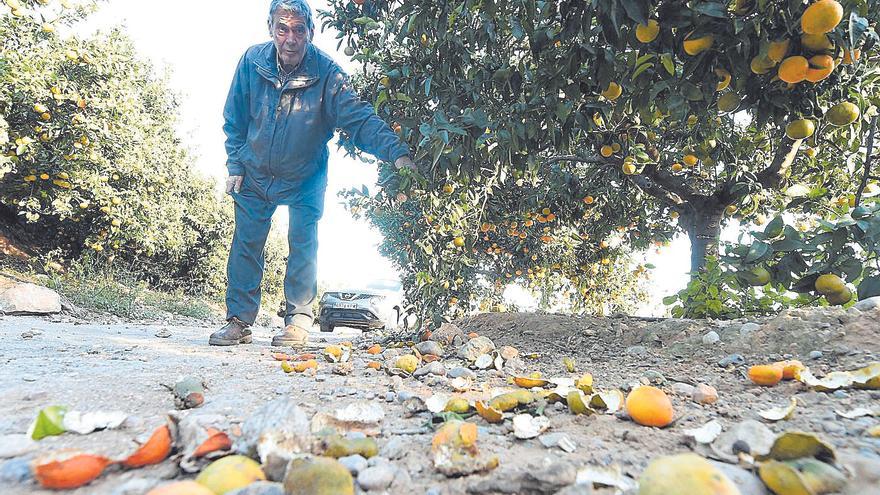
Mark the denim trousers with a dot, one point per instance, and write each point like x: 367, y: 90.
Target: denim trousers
x: 254, y: 207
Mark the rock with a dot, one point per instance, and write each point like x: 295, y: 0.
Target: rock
x: 274, y: 434
x: 507, y: 352
x: 15, y: 445
x: 840, y: 394
x: 815, y: 355
x: 460, y: 372
x: 395, y: 448
x: 655, y: 377
x: 390, y: 396
x: 15, y: 471
x: 449, y: 335
x: 163, y: 333
x: 733, y: 359
x: 260, y: 488
x: 834, y: 427
x: 637, y: 350
x: 557, y: 439
x: 747, y: 482
x: 868, y: 304
x: 474, y: 348
x: 429, y: 347
x: 137, y: 486
x: 705, y: 394
x: 376, y: 478
x: 683, y: 389
x: 748, y: 436
x: 354, y: 463
x: 26, y: 298
x: 711, y: 338
x: 747, y: 328
x: 435, y: 368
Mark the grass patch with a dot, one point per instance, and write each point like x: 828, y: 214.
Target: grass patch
x: 119, y: 292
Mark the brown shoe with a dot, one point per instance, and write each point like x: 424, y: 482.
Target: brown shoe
x: 233, y: 333
x: 295, y: 333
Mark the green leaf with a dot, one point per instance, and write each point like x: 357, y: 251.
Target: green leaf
x: 642, y: 68
x: 857, y: 28
x: 869, y: 287
x: 757, y: 251
x: 636, y: 10
x: 668, y: 64
x: 712, y: 9
x: 49, y: 422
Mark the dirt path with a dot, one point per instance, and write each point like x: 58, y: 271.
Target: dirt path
x: 92, y: 367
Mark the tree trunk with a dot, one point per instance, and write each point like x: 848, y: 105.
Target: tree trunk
x: 703, y: 225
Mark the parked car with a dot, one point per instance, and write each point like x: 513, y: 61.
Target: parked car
x: 363, y: 309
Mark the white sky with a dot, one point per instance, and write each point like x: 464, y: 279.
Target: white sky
x: 201, y: 42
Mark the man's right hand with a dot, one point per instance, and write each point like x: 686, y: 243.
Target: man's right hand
x: 233, y: 183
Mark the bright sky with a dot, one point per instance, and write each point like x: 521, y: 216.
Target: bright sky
x: 201, y: 43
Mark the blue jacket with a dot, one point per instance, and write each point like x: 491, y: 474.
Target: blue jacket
x: 283, y: 132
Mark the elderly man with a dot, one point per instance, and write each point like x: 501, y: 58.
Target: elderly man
x: 287, y: 99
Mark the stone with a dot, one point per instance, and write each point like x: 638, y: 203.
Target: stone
x: 435, y: 368
x: 711, y: 338
x: 815, y: 355
x: 840, y: 394
x: 655, y: 377
x: 747, y: 482
x: 354, y: 463
x: 163, y: 333
x: 376, y: 478
x: 449, y: 335
x: 683, y: 389
x: 395, y: 448
x: 390, y: 396
x: 868, y: 304
x: 733, y: 359
x: 507, y: 352
x: 274, y: 434
x: 474, y: 348
x: 15, y: 445
x: 705, y: 394
x: 460, y: 372
x: 136, y: 486
x: 28, y: 299
x: 15, y: 471
x: 429, y: 347
x: 748, y: 328
x: 637, y: 350
x: 561, y: 440
x: 260, y: 488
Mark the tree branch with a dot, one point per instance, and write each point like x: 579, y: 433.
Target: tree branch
x: 773, y: 175
x: 868, y: 157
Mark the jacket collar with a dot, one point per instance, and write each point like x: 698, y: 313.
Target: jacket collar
x: 307, y: 74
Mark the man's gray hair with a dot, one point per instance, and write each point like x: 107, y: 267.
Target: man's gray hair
x: 297, y: 7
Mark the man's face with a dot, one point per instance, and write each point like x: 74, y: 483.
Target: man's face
x: 291, y: 36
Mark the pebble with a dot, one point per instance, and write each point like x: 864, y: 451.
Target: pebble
x: 868, y: 304
x: 430, y: 347
x: 655, y: 377
x: 435, y: 368
x: 461, y: 372
x: 15, y: 471
x: 711, y: 338
x: 390, y: 396
x: 840, y: 394
x: 733, y: 359
x: 507, y: 352
x: 684, y: 389
x: 354, y: 463
x: 404, y: 395
x: 395, y: 448
x: 260, y: 488
x: 705, y: 394
x: 747, y: 328
x: 833, y: 427
x: 637, y: 350
x: 376, y: 478
x: 815, y: 354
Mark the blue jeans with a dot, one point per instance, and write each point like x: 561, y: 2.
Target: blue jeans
x: 254, y: 206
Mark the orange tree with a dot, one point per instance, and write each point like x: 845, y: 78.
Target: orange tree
x: 90, y: 163
x: 625, y: 119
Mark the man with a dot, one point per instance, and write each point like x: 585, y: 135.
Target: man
x: 287, y: 99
